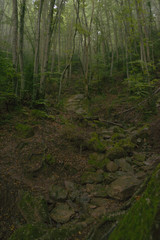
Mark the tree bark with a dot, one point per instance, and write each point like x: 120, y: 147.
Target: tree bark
x: 36, y: 57
x: 15, y: 43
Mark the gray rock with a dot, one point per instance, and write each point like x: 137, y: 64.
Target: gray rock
x: 111, y: 166
x: 98, y: 212
x: 97, y: 190
x: 124, y: 165
x: 58, y: 192
x: 92, y: 177
x: 62, y: 213
x: 99, y: 201
x: 123, y: 187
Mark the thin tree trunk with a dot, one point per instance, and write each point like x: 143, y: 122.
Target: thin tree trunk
x: 21, y: 38
x: 47, y: 49
x: 36, y: 57
x: 15, y: 43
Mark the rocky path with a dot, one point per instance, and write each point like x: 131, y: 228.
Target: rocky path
x: 63, y: 175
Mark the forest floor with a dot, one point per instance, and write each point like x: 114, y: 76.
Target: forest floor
x: 38, y: 151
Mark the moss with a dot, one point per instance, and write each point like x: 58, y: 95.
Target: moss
x: 97, y: 162
x: 139, y: 221
x: 139, y: 158
x: 50, y: 160
x: 116, y: 152
x: 24, y: 130
x: 29, y: 232
x: 117, y: 136
x: 126, y: 144
x: 33, y: 209
x: 95, y: 144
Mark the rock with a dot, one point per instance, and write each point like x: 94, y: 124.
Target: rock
x: 62, y: 213
x: 115, y: 153
x: 111, y: 167
x: 142, y: 220
x: 97, y: 160
x: 97, y: 190
x: 84, y: 198
x: 123, y: 187
x: 139, y: 158
x: 138, y: 136
x: 76, y: 104
x: 70, y: 186
x: 92, y: 177
x: 33, y: 209
x: 98, y: 212
x: 74, y: 195
x: 58, y: 192
x: 141, y: 175
x: 109, y: 177
x: 152, y: 161
x: 99, y: 201
x: 124, y: 165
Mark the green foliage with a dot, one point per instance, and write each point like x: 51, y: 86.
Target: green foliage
x: 24, y: 130
x: 95, y: 144
x: 7, y: 73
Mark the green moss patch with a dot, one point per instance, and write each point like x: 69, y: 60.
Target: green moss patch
x: 97, y: 162
x: 33, y: 209
x: 95, y: 144
x: 29, y: 232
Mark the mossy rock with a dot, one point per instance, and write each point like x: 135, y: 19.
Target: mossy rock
x: 139, y: 135
x: 139, y: 158
x: 97, y: 161
x: 33, y: 209
x: 141, y: 222
x: 126, y: 144
x: 95, y: 144
x: 29, y: 232
x: 116, y: 152
x: 92, y: 177
x: 24, y: 130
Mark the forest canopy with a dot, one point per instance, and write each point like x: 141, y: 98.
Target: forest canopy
x: 46, y: 44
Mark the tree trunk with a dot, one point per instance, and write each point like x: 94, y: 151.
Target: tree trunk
x: 47, y: 48
x: 21, y: 38
x: 15, y: 43
x: 36, y: 57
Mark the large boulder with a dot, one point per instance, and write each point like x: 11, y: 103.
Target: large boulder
x: 143, y: 219
x: 123, y: 187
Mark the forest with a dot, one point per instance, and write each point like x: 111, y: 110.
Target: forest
x: 79, y: 119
